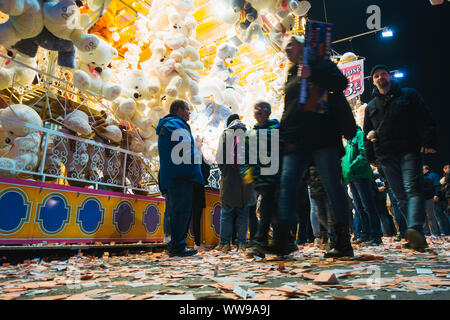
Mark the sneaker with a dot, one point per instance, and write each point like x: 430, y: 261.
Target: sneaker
x: 318, y: 241
x: 200, y: 247
x: 416, y: 240
x: 183, y: 253
x: 167, y: 239
x: 398, y: 238
x: 254, y: 252
x: 224, y: 247
x: 241, y: 247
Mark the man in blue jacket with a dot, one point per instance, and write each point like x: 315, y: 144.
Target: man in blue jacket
x: 180, y: 167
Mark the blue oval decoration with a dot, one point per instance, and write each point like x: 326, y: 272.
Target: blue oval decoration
x: 123, y: 217
x: 14, y: 210
x: 216, y: 218
x: 90, y: 215
x: 151, y: 219
x: 53, y: 214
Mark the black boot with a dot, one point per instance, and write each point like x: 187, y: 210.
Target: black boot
x: 342, y: 246
x: 282, y: 244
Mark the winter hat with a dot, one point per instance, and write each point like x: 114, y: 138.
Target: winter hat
x: 231, y: 118
x: 378, y: 66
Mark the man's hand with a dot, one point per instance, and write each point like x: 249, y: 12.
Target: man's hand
x: 382, y: 189
x: 374, y: 164
x: 427, y: 150
x: 436, y: 199
x: 303, y: 71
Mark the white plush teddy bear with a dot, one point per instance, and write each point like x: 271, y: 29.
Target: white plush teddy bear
x: 12, y: 71
x: 133, y: 96
x: 224, y: 58
x: 163, y: 79
x: 281, y: 29
x: 93, y: 73
x: 64, y: 20
x: 25, y: 21
x: 25, y: 142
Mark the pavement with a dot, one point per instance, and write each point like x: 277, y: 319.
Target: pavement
x: 384, y: 272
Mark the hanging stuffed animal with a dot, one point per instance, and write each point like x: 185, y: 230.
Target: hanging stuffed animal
x: 62, y: 32
x: 25, y: 21
x: 282, y: 29
x: 25, y: 142
x: 17, y: 73
x: 93, y: 72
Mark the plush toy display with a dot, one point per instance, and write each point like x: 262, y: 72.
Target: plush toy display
x: 17, y: 73
x: 107, y: 26
x: 134, y: 92
x: 64, y: 20
x: 93, y: 73
x: 248, y: 13
x: 22, y: 15
x: 25, y: 142
x: 63, y: 150
x: 62, y: 32
x: 281, y: 29
x: 282, y: 8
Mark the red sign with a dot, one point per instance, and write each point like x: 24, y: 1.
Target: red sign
x: 354, y: 71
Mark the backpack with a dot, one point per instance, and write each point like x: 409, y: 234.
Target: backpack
x: 428, y: 188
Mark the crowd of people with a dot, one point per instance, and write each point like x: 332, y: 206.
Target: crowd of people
x: 335, y: 177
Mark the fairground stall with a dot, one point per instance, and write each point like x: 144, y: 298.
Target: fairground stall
x: 83, y: 86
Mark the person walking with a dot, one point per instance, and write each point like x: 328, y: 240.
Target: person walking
x: 266, y: 185
x: 234, y: 193
x: 307, y: 133
x: 357, y: 172
x: 177, y: 177
x: 397, y: 128
x: 431, y: 190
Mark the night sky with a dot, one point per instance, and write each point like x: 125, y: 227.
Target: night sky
x: 418, y: 48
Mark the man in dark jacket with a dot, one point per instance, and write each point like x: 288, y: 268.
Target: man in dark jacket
x: 308, y: 132
x: 397, y: 127
x: 179, y: 169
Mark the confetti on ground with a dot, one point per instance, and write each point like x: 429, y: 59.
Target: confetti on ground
x: 376, y: 272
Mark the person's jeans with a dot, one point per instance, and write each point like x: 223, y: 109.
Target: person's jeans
x: 431, y: 223
x: 364, y: 200
x: 405, y: 177
x: 442, y: 217
x: 196, y: 218
x: 226, y: 224
x: 267, y: 210
x: 357, y: 225
x: 294, y: 167
x: 166, y: 219
x: 399, y: 216
x: 178, y: 209
x: 252, y: 221
x: 320, y: 209
x: 303, y: 228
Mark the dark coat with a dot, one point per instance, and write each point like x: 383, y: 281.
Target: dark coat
x: 233, y: 191
x: 198, y: 191
x: 401, y: 121
x: 305, y: 131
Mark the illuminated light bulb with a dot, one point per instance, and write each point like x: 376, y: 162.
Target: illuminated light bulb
x: 399, y: 74
x: 387, y: 33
